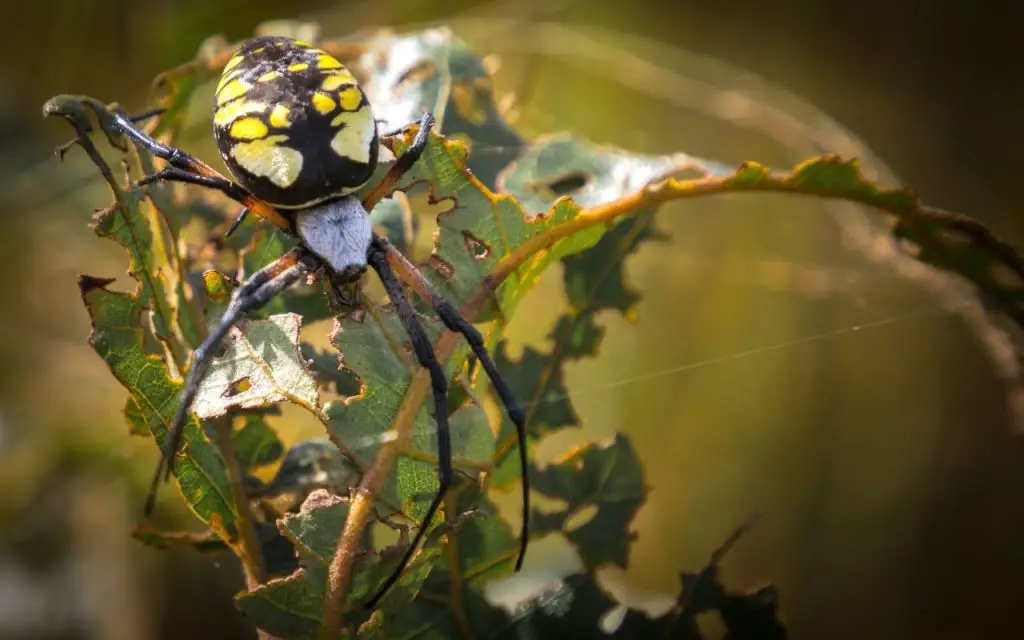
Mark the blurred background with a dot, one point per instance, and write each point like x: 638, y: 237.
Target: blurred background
x: 773, y: 367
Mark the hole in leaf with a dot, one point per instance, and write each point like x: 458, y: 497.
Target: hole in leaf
x: 419, y: 72
x: 476, y: 246
x: 441, y: 266
x: 564, y: 185
x: 239, y: 386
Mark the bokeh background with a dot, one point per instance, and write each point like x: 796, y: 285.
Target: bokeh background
x: 770, y: 368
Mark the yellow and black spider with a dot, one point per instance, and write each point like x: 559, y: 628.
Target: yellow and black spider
x: 297, y: 132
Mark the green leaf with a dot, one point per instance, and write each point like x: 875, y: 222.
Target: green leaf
x: 137, y: 225
x: 397, y: 222
x: 256, y: 444
x: 564, y: 165
x: 117, y: 337
x: 375, y: 349
x: 136, y: 420
x: 481, y: 548
x: 482, y: 227
x: 261, y: 365
x: 603, y: 487
x: 311, y: 465
x: 159, y: 539
x: 329, y: 371
x: 291, y: 607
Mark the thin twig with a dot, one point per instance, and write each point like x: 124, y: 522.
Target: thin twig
x: 249, y: 550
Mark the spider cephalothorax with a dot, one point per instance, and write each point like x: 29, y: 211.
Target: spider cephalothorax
x: 296, y: 131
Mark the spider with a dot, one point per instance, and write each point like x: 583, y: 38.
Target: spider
x: 296, y: 131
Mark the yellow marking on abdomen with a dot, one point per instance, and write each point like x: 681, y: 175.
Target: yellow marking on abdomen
x: 298, y: 66
x: 334, y: 81
x: 279, y: 117
x: 232, y: 63
x: 268, y: 76
x: 328, y: 62
x: 350, y: 98
x: 226, y: 78
x: 323, y: 103
x: 232, y: 90
x: 248, y: 129
x: 267, y: 159
x: 228, y: 113
x: 354, y: 137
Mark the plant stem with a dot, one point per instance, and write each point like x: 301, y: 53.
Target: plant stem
x: 249, y: 550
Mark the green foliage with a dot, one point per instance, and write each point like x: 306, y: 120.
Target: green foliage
x: 513, y: 208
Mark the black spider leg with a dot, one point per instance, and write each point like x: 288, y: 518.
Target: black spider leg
x: 424, y: 350
x: 239, y: 219
x: 177, y: 174
x: 454, y: 321
x: 225, y: 186
x: 253, y: 294
x: 403, y: 163
x: 191, y: 170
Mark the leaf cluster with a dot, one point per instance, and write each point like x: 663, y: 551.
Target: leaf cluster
x: 511, y: 209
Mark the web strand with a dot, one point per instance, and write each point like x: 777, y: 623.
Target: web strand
x: 738, y: 355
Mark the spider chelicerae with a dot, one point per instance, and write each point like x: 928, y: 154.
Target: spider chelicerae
x: 296, y: 131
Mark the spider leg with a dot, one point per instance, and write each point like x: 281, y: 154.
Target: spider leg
x: 187, y: 163
x: 424, y: 351
x: 402, y: 164
x: 455, y: 322
x: 218, y: 183
x: 253, y: 294
x: 238, y: 221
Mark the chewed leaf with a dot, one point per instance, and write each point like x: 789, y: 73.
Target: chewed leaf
x: 566, y: 165
x: 592, y: 175
x: 482, y: 227
x: 287, y: 607
x: 261, y: 364
x: 408, y: 76
x: 485, y: 546
x: 291, y: 607
x: 603, y: 487
x: 118, y: 338
x: 140, y: 228
x: 375, y: 348
x: 595, y: 281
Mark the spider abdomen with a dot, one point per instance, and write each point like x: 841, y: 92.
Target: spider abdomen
x: 292, y: 123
